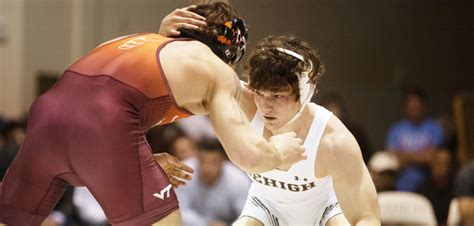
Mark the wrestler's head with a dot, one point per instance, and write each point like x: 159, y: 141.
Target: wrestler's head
x: 282, y: 72
x: 225, y: 32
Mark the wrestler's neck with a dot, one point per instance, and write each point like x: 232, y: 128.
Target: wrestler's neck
x: 300, y: 125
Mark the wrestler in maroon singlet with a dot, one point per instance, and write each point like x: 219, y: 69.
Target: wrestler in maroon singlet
x: 89, y: 130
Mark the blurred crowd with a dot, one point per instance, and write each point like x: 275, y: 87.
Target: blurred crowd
x: 420, y: 156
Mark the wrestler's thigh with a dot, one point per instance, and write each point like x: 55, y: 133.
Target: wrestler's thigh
x: 173, y: 218
x: 247, y: 221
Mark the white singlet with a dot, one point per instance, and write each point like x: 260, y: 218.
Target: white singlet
x: 296, y: 196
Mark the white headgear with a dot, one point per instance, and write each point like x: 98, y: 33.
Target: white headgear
x: 306, y: 88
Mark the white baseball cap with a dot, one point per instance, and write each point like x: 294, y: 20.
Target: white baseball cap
x: 382, y: 161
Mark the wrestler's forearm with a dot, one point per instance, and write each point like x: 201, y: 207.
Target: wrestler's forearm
x: 249, y: 151
x: 263, y: 157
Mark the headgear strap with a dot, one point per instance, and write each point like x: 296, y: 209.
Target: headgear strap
x: 306, y: 88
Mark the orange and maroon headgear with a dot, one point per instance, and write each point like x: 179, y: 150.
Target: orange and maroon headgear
x: 229, y: 43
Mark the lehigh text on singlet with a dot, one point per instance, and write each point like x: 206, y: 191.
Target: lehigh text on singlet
x: 283, y: 185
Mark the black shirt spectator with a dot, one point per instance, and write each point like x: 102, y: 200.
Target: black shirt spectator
x: 464, y: 192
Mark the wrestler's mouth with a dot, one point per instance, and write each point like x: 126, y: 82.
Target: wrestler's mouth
x: 269, y: 118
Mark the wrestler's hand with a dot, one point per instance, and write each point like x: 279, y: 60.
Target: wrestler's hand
x: 290, y: 148
x: 176, y: 171
x: 181, y: 18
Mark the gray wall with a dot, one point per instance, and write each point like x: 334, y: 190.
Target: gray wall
x: 11, y: 57
x: 47, y: 40
x: 375, y: 48
x: 372, y: 48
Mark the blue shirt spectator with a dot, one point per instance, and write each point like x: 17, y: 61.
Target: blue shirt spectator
x: 413, y: 139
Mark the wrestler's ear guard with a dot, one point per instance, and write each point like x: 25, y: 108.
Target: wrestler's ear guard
x: 230, y: 42
x: 232, y: 36
x: 304, y: 84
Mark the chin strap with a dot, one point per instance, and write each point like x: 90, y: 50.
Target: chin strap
x: 305, y: 87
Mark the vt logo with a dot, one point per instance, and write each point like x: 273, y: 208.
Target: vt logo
x: 137, y: 42
x: 164, y: 193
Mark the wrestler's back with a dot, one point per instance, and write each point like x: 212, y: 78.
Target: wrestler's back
x: 88, y: 130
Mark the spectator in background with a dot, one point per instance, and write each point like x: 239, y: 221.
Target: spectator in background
x: 2, y: 139
x: 218, y: 191
x: 464, y: 192
x: 448, y: 125
x: 384, y: 167
x: 161, y: 138
x: 439, y: 188
x: 197, y: 127
x: 183, y: 148
x: 13, y: 134
x: 413, y: 140
x: 88, y: 209
x: 2, y: 142
x: 2, y: 122
x: 172, y: 139
x: 336, y: 104
x: 64, y: 213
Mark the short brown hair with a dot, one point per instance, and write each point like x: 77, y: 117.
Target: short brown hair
x: 216, y: 13
x: 269, y: 69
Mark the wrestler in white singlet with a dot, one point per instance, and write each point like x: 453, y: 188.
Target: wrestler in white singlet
x: 296, y: 196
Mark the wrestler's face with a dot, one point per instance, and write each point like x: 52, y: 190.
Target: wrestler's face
x: 276, y: 108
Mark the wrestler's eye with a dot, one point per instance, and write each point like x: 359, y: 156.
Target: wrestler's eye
x: 278, y: 96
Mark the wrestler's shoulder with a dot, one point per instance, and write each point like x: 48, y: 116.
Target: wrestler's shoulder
x: 198, y: 58
x: 191, y: 51
x: 337, y: 138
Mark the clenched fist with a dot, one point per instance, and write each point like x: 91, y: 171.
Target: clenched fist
x: 290, y: 148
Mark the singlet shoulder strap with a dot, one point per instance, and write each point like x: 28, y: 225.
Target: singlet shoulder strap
x: 313, y: 139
